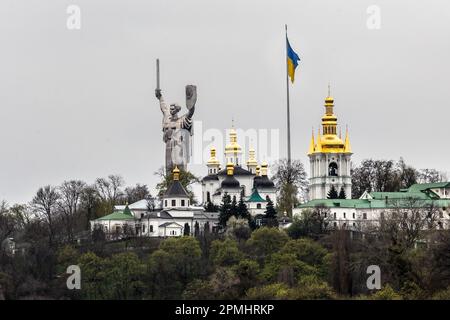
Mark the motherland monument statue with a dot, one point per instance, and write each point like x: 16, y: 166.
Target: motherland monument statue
x: 177, y: 130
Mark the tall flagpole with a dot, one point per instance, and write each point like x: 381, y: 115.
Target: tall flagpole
x: 288, y: 109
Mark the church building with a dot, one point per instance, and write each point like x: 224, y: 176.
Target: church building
x: 177, y: 216
x: 329, y: 158
x: 249, y: 180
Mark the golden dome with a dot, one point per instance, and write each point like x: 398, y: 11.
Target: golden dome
x: 251, y: 158
x: 230, y: 168
x: 264, y: 166
x: 329, y: 141
x: 176, y: 173
x: 233, y: 147
x: 213, y: 159
x: 329, y: 99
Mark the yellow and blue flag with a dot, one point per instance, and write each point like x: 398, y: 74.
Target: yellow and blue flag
x: 292, y: 60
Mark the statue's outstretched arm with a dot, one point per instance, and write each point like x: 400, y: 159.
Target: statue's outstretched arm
x: 190, y: 112
x: 191, y: 99
x: 162, y: 103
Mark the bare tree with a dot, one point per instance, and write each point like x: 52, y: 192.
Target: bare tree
x: 136, y: 193
x: 23, y: 215
x: 408, y: 221
x: 7, y: 225
x: 70, y: 195
x: 109, y: 190
x: 45, y: 203
x: 431, y: 176
x: 89, y: 200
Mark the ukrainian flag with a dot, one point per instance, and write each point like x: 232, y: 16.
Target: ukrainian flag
x: 292, y: 59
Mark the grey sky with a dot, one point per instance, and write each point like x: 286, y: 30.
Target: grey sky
x: 80, y: 104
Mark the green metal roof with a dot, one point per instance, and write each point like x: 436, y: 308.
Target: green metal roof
x: 424, y: 186
x: 372, y: 203
x: 118, y: 215
x: 399, y: 195
x: 255, y: 197
x: 420, y: 192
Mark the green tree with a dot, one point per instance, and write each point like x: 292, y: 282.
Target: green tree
x: 309, y: 252
x: 187, y: 179
x: 248, y: 272
x: 187, y: 229
x: 311, y: 287
x: 185, y: 254
x: 66, y: 256
x: 274, y: 291
x: 311, y: 223
x: 225, y: 210
x: 386, y: 293
x: 225, y: 253
x: 286, y: 268
x: 332, y: 193
x: 242, y: 210
x: 225, y: 283
x: 198, y: 290
x: 271, y: 214
x: 234, y: 207
x: 238, y: 229
x: 125, y: 273
x: 342, y: 194
x: 162, y: 279
x: 94, y: 281
x: 290, y: 180
x: 265, y: 241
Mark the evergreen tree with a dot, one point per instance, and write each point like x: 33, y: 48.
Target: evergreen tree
x: 206, y: 228
x: 242, y: 210
x: 187, y: 229
x: 196, y: 229
x: 225, y: 210
x: 234, y: 207
x: 342, y: 194
x: 332, y: 194
x: 210, y: 207
x: 271, y: 214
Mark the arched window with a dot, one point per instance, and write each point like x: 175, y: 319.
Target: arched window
x: 333, y: 169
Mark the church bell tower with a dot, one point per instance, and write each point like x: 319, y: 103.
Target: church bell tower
x: 329, y: 158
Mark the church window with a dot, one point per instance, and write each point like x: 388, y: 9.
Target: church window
x: 353, y: 215
x: 354, y: 224
x: 334, y: 215
x: 142, y: 215
x: 165, y: 203
x: 344, y: 215
x: 333, y: 169
x: 143, y: 228
x: 151, y: 228
x: 182, y: 203
x: 258, y: 206
x: 174, y: 203
x: 364, y: 215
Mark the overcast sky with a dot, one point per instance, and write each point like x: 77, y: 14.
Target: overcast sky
x: 80, y: 103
